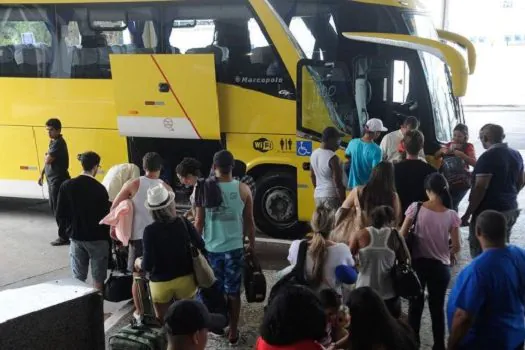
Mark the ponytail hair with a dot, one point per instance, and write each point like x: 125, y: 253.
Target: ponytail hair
x: 437, y: 184
x: 382, y: 216
x: 322, y: 224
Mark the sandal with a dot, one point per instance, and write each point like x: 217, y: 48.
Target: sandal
x: 235, y: 341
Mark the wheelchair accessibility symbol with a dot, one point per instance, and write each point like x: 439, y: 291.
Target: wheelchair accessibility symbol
x: 304, y: 148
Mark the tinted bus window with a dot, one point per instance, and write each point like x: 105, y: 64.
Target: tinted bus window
x: 88, y: 34
x: 26, y: 41
x: 75, y: 41
x: 243, y: 54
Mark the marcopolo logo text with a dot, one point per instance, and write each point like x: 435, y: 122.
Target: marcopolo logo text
x: 262, y: 80
x: 263, y: 145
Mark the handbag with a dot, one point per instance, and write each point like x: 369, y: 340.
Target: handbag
x: 411, y: 238
x: 204, y: 276
x: 347, y: 222
x: 254, y: 280
x: 294, y: 277
x: 405, y: 280
x: 117, y: 287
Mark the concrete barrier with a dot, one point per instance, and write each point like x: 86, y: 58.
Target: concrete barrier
x: 60, y: 315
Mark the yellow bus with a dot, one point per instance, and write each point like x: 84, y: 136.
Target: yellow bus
x: 186, y: 78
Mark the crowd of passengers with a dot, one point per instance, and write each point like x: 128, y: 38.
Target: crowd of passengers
x: 347, y: 298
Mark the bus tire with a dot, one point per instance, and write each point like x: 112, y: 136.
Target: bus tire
x: 275, y: 206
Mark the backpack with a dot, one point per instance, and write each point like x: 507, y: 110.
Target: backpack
x: 296, y: 276
x: 454, y: 170
x: 214, y: 300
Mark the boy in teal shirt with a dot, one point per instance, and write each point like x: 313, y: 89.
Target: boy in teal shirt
x: 364, y: 154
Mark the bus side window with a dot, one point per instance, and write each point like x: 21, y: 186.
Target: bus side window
x: 26, y: 43
x: 243, y: 54
x: 89, y: 34
x: 400, y: 82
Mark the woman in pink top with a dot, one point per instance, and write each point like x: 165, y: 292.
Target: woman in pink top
x: 435, y: 224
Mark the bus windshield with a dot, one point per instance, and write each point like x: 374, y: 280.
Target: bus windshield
x: 440, y: 95
x: 420, y: 25
x: 444, y: 104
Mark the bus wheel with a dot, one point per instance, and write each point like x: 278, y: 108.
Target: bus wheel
x: 275, y: 206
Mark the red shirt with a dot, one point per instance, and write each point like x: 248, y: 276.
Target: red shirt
x: 467, y: 148
x: 303, y: 345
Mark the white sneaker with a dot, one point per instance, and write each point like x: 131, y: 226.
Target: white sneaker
x: 138, y: 318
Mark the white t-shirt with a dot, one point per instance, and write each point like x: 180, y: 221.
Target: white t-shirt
x: 389, y: 146
x: 320, y: 162
x: 338, y: 254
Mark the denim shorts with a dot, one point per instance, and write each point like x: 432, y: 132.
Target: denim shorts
x: 228, y: 267
x: 84, y: 253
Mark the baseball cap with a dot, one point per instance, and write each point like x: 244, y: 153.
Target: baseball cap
x: 375, y: 125
x: 330, y: 133
x: 185, y: 317
x: 223, y: 159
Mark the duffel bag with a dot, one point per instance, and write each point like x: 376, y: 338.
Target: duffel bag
x: 139, y: 338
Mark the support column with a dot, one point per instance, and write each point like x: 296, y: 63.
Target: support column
x: 445, y: 12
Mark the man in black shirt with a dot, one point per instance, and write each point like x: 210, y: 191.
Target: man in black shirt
x: 410, y: 174
x: 82, y: 203
x: 56, y: 172
x: 498, y: 179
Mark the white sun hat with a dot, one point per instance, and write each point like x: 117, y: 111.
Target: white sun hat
x: 159, y: 198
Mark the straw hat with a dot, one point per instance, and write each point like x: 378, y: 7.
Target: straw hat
x: 159, y: 198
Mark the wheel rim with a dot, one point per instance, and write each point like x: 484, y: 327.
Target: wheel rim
x: 279, y: 206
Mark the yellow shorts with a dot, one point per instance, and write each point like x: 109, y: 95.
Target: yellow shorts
x: 179, y: 288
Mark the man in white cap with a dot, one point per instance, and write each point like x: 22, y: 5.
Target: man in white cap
x: 364, y: 154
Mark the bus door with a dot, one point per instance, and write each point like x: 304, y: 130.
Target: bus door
x: 325, y: 98
x: 433, y: 96
x: 166, y: 96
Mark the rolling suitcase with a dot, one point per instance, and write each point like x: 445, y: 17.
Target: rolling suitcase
x: 146, y: 335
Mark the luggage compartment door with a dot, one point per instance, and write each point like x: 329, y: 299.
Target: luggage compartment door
x: 166, y: 96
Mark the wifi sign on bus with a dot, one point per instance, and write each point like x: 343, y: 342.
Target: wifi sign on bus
x: 263, y: 145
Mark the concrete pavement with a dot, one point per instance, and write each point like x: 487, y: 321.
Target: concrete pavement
x: 27, y: 257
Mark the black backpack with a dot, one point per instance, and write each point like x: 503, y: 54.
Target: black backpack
x: 254, y: 280
x: 294, y: 277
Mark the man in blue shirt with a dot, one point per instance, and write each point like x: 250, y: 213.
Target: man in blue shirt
x: 498, y: 178
x: 364, y: 154
x: 486, y: 305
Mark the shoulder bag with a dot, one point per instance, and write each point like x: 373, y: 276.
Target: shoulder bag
x: 348, y: 221
x: 204, y: 276
x: 405, y: 280
x: 411, y: 238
